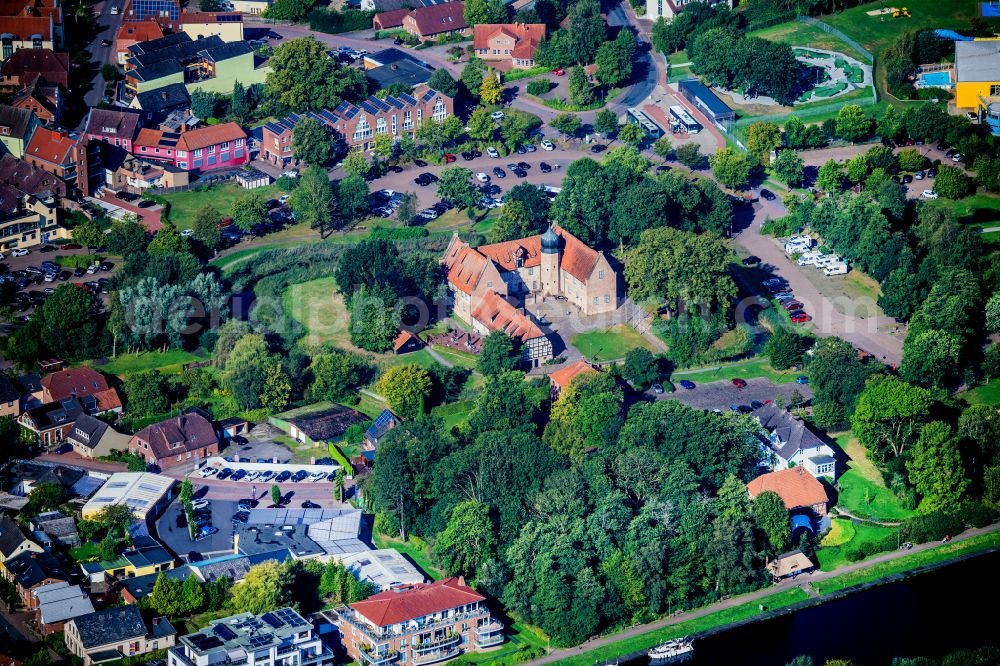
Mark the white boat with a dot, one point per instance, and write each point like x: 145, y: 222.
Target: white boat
x: 671, y: 652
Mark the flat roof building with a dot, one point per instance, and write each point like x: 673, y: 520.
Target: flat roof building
x: 147, y: 494
x: 706, y: 101
x: 386, y: 568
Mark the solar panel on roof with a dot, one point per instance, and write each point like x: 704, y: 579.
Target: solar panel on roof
x: 272, y: 619
x: 289, y: 616
x: 257, y: 641
x: 409, y: 99
x: 224, y: 632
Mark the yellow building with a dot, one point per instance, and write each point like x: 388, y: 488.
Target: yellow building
x: 977, y: 74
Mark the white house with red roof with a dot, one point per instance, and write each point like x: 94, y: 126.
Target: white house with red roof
x: 418, y: 625
x: 509, y: 45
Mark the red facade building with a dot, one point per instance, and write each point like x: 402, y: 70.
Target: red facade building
x: 203, y: 149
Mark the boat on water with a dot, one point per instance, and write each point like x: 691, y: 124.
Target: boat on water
x: 672, y: 652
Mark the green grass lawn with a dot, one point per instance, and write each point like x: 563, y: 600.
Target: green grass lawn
x: 458, y: 358
x: 875, y: 33
x: 609, y: 344
x: 795, y: 33
x: 836, y: 556
x: 416, y: 549
x: 185, y: 205
x: 937, y: 554
x: 979, y: 210
x: 455, y: 413
x: 862, y: 491
x: 759, y: 367
x: 167, y: 362
x: 368, y: 406
x: 987, y: 394
x: 678, y: 58
x: 319, y: 307
x: 704, y: 623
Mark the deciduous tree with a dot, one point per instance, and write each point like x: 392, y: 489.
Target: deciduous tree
x: 468, y: 540
x: 789, y: 168
x: 731, y: 168
x: 406, y: 388
x: 312, y: 141
x: 249, y: 210
x: 935, y: 467
x: 491, y: 90
x: 762, y: 138
x: 206, y: 226
x: 499, y: 354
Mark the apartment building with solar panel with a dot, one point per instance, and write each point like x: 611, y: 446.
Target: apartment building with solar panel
x: 276, y: 638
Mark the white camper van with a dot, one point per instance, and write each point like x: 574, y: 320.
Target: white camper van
x: 835, y: 269
x: 829, y: 260
x: 809, y: 258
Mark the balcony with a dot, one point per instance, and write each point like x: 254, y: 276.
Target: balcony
x: 376, y: 636
x: 447, y: 641
x: 436, y: 656
x: 378, y: 659
x: 489, y: 628
x: 484, y: 642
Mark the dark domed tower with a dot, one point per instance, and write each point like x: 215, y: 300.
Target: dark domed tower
x: 551, y: 255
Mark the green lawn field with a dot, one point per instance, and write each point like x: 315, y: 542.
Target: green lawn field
x: 744, y: 369
x: 987, y: 394
x: 875, y: 33
x: 167, y: 362
x: 609, y: 344
x: 862, y: 491
x: 795, y: 33
x: 836, y: 556
x: 185, y: 205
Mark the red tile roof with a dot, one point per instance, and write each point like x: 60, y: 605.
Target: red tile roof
x: 403, y: 338
x: 464, y: 264
x: 563, y: 376
x: 496, y: 314
x: 75, y: 382
x: 409, y: 603
x: 51, y: 146
x: 178, y: 435
x: 483, y: 32
x: 23, y: 27
x: 139, y: 31
x: 391, y: 19
x: 203, y: 137
x: 796, y: 487
x: 446, y: 17
x: 108, y: 400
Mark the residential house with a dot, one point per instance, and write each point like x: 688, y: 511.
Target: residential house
x: 440, y: 20
x: 379, y: 428
x: 508, y: 45
x: 207, y: 63
x: 280, y: 636
x: 798, y: 489
x: 26, y: 65
x: 561, y: 378
x: 54, y: 151
x: 553, y: 264
x: 27, y: 32
x: 114, y: 127
x: 176, y: 440
x: 251, y: 7
x: 495, y: 313
x: 227, y: 26
x: 203, y: 149
x: 789, y: 442
x: 78, y: 383
x: 24, y: 476
x: 233, y: 567
x: 52, y: 527
x: 33, y: 182
x: 116, y: 633
x: 150, y: 10
x: 668, y: 9
x: 146, y: 493
x: 93, y: 438
x: 57, y: 603
x: 134, y: 32
x: 13, y: 542
x: 52, y: 421
x: 44, y: 99
x: 318, y: 427
x: 16, y: 128
x: 10, y: 397
x: 390, y: 20
x: 25, y: 220
x: 136, y: 175
x: 418, y: 624
x: 30, y: 387
x: 394, y: 66
x: 406, y: 342
x: 133, y: 588
x: 29, y: 571
x: 277, y: 136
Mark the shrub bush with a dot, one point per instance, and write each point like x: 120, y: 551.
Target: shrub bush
x: 332, y: 23
x: 539, y: 87
x: 932, y: 527
x: 854, y: 555
x: 975, y: 514
x: 399, y: 233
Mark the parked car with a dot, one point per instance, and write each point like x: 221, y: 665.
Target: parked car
x: 929, y: 194
x: 206, y: 532
x: 105, y: 43
x: 767, y: 195
x: 657, y: 388
x: 792, y: 305
x: 482, y: 177
x: 429, y: 214
x: 239, y: 474
x: 559, y: 71
x: 497, y: 115
x: 467, y: 156
x: 919, y: 175
x: 801, y: 379
x: 686, y: 384
x: 492, y: 152
x: 752, y: 260
x: 284, y: 475
x: 225, y: 473
x: 907, y: 179
x: 800, y: 318
x: 20, y: 252
x: 544, y: 167
x: 241, y: 517
x: 449, y: 158
x: 547, y: 145
x: 246, y: 504
x: 310, y: 505
x: 756, y: 404
x: 199, y: 504
x: 499, y: 173
x: 739, y: 383
x: 299, y: 475
x: 598, y: 148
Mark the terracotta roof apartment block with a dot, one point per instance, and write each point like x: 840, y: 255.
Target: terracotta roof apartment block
x: 797, y: 488
x: 23, y: 28
x: 212, y: 135
x: 52, y: 147
x: 563, y: 376
x: 508, y: 41
x: 411, y: 603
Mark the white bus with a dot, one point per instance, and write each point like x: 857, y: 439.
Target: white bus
x: 645, y: 122
x: 684, y: 120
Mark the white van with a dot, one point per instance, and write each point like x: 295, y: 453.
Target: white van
x: 835, y: 269
x: 829, y: 260
x: 809, y: 258
x: 795, y: 248
x: 800, y: 240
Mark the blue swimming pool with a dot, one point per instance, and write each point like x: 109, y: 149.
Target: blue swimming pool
x: 935, y: 79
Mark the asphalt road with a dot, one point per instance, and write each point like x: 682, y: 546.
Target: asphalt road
x: 173, y: 532
x: 108, y: 25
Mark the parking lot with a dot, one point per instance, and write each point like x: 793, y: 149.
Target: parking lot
x: 172, y: 528
x: 722, y: 394
x: 37, y: 274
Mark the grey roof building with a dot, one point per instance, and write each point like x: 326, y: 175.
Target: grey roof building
x: 172, y: 97
x: 115, y: 633
x: 59, y: 602
x: 977, y: 62
x: 13, y: 541
x: 233, y: 567
x: 142, y: 586
x: 17, y: 121
x: 301, y: 533
x: 403, y: 72
x: 53, y: 527
x: 788, y: 441
x: 280, y: 636
x: 92, y: 438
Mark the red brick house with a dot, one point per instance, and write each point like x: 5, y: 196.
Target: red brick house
x: 444, y: 19
x: 42, y: 98
x: 797, y: 488
x: 73, y: 383
x: 390, y: 19
x: 175, y: 441
x: 398, y: 115
x: 419, y: 624
x: 203, y: 149
x: 27, y: 64
x: 509, y: 45
x: 54, y: 151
